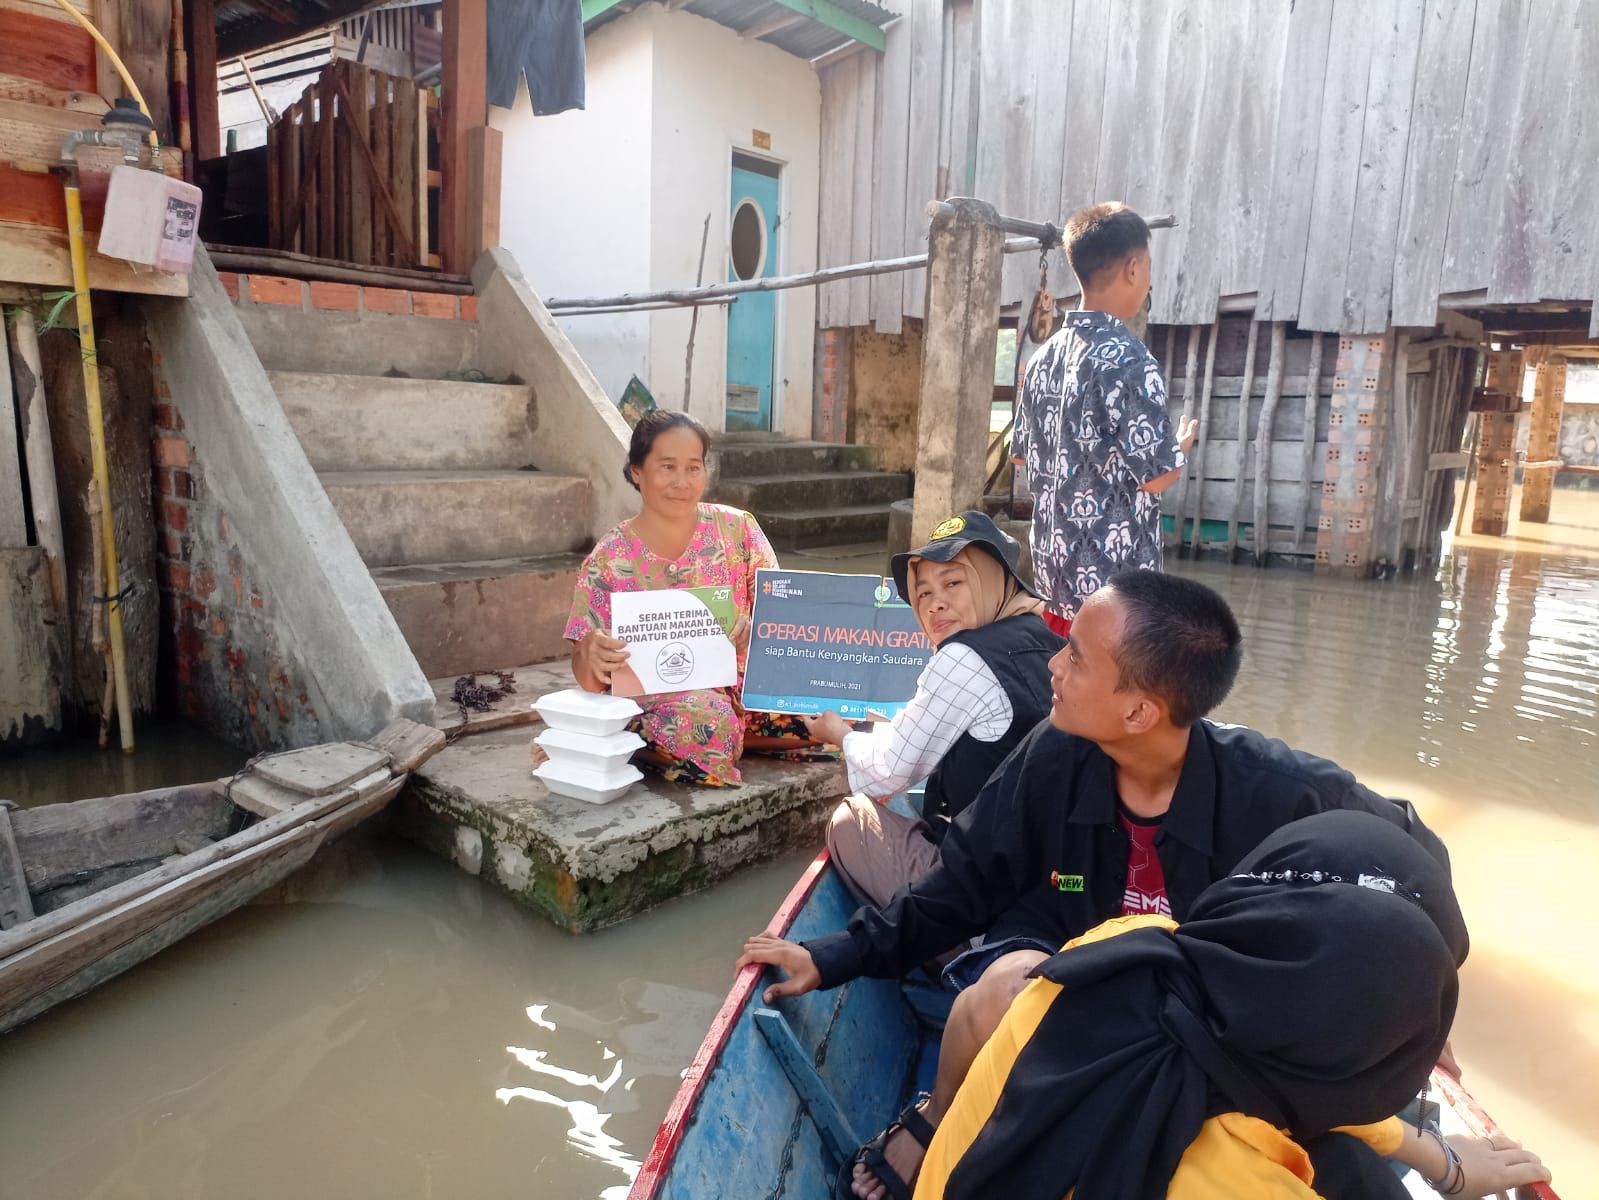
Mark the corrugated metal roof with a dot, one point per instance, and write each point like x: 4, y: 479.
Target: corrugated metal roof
x: 803, y: 36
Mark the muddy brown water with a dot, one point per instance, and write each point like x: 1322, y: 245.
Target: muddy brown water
x: 385, y: 1026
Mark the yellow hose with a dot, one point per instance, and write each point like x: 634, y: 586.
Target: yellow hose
x: 97, y: 455
x: 116, y: 61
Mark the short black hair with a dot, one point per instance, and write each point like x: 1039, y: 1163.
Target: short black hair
x: 1179, y: 641
x: 1101, y: 236
x: 650, y: 427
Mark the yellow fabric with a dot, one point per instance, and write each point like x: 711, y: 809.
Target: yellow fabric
x: 1234, y: 1157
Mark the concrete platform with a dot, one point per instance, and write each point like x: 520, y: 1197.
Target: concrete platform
x: 585, y: 866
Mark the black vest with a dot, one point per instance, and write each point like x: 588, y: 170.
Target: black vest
x: 1017, y: 650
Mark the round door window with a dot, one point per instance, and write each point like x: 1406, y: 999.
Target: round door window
x: 748, y: 240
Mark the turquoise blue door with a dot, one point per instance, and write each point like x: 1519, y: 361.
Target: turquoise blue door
x: 752, y: 318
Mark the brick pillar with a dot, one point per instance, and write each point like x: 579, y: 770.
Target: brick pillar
x: 1543, y: 439
x: 1356, y: 442
x: 832, y: 407
x: 1496, y: 443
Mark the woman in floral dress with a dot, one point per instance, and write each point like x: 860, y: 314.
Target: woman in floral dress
x: 678, y: 542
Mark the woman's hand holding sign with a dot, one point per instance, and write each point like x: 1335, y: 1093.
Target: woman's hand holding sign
x: 595, y: 657
x: 740, y: 634
x: 827, y: 727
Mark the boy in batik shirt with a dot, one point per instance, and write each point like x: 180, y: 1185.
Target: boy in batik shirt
x: 1091, y: 423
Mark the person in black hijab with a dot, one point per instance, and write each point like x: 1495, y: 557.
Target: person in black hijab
x: 1312, y: 989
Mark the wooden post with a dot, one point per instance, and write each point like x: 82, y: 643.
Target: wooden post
x: 1244, y: 390
x: 202, y: 46
x: 1543, y: 439
x: 1307, y: 464
x: 37, y: 451
x: 1496, y: 451
x: 965, y: 252
x: 466, y: 108
x: 1193, y: 479
x: 1268, y: 417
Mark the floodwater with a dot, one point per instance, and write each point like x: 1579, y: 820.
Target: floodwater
x: 385, y: 1026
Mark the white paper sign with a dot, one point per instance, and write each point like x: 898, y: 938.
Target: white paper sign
x: 677, y: 640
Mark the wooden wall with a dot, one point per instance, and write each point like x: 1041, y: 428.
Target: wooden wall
x: 1345, y: 161
x: 53, y: 80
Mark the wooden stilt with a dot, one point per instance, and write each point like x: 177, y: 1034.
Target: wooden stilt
x: 1308, y: 462
x: 1268, y: 417
x: 1244, y: 393
x: 1194, y: 478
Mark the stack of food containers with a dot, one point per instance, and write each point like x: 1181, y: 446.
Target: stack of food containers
x: 588, y: 744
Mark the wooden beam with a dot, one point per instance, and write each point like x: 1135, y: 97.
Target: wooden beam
x: 771, y: 25
x: 201, y: 37
x: 484, y: 150
x: 835, y: 18
x: 466, y: 107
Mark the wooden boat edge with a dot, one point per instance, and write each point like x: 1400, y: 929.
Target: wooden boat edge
x: 658, y: 1161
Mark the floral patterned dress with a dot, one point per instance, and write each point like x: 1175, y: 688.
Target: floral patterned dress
x: 701, y: 732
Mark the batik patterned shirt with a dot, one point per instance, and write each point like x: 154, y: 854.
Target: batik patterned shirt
x: 1092, y: 429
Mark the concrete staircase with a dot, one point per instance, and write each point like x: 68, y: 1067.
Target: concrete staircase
x: 432, y: 471
x: 808, y: 494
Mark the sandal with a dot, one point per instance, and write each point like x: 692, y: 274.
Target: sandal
x: 872, y: 1155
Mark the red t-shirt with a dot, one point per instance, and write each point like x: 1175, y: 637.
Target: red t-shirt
x: 1146, y: 881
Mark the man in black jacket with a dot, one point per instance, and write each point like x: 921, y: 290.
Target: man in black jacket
x: 1124, y: 801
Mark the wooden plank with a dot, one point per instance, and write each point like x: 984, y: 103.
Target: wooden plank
x: 1296, y: 146
x: 1193, y: 29
x: 1369, y: 276
x: 36, y: 255
x: 408, y: 744
x: 890, y: 166
x: 859, y: 311
x: 1337, y: 171
x: 1197, y: 455
x: 16, y: 905
x: 31, y: 136
x: 408, y: 190
x: 263, y: 797
x: 1004, y: 126
x: 1236, y: 515
x: 146, y: 49
x: 1049, y: 62
x: 1309, y: 458
x: 837, y: 1135
x: 426, y: 235
x: 837, y: 83
x: 484, y: 154
x: 1086, y: 65
x: 362, y: 183
x: 921, y: 162
x: 1247, y: 194
x: 1284, y: 461
x: 1546, y: 225
x: 13, y: 515
x: 1498, y: 46
x: 383, y: 160
x: 1153, y: 57
x: 47, y: 48
x: 318, y: 770
x: 1433, y: 153
x: 1216, y: 504
x: 59, y: 842
x: 328, y: 175
x: 364, y: 165
x: 1263, y: 431
x: 955, y: 149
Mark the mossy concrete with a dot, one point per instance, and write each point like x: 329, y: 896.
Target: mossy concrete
x: 585, y: 866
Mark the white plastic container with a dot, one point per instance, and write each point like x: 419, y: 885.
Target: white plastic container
x: 599, y: 754
x: 152, y: 219
x: 593, y: 786
x: 586, y: 712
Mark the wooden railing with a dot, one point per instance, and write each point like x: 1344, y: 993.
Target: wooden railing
x: 348, y: 172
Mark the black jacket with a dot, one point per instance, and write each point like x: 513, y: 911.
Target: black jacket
x: 1041, y: 853
x: 1017, y: 650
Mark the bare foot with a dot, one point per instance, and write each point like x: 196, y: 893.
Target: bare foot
x: 904, y: 1154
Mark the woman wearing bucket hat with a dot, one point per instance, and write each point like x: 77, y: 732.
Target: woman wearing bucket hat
x: 984, y: 688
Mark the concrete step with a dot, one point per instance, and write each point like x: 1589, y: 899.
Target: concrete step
x: 832, y: 489
x: 482, y: 616
x: 287, y: 339
x: 740, y: 459
x: 382, y: 423
x: 825, y: 526
x: 403, y: 518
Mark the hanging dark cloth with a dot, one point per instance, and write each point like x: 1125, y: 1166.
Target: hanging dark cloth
x: 542, y: 39
x: 1313, y: 988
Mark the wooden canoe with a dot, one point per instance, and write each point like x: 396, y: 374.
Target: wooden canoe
x: 91, y: 888
x: 777, y: 1097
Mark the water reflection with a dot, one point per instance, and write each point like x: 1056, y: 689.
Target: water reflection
x: 386, y: 1026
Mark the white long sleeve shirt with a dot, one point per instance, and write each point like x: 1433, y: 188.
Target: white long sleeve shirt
x: 957, y: 694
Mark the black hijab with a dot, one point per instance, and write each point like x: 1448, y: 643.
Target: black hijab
x: 1313, y: 988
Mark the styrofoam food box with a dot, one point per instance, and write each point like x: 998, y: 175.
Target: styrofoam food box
x: 586, y: 712
x: 607, y: 753
x: 592, y: 786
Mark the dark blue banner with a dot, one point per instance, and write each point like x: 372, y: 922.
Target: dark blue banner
x: 840, y: 643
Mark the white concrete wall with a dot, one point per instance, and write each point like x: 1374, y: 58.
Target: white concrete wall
x: 575, y: 197
x: 712, y: 89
